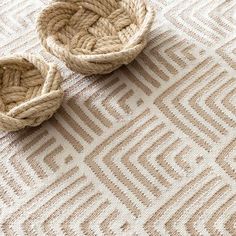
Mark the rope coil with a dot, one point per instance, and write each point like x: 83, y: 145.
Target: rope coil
x: 95, y: 36
x: 30, y: 91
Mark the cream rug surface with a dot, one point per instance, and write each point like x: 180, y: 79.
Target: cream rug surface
x: 147, y: 150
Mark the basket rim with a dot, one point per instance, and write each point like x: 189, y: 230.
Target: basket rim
x: 38, y: 62
x: 138, y: 41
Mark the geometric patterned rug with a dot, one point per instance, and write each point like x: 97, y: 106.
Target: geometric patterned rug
x: 147, y: 150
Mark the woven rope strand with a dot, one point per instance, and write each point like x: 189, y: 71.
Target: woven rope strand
x: 95, y: 36
x: 30, y: 92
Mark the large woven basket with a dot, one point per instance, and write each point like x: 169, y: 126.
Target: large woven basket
x: 95, y: 36
x: 29, y: 92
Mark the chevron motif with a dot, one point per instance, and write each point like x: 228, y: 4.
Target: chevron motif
x: 146, y: 150
x: 204, y: 196
x: 208, y: 72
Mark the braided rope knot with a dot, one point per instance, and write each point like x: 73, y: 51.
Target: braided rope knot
x: 95, y: 36
x: 30, y: 91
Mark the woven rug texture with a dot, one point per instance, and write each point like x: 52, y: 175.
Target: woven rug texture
x: 147, y: 150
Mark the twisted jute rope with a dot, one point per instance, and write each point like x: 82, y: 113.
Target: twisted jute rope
x: 30, y: 91
x: 95, y: 36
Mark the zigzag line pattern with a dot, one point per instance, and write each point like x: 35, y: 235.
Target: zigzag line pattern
x: 146, y: 150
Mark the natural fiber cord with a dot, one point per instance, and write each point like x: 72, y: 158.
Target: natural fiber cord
x: 95, y: 36
x: 29, y: 92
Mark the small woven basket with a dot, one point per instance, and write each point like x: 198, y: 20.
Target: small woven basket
x: 29, y: 92
x: 95, y: 36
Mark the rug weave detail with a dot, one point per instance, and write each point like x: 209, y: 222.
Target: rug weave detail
x: 147, y: 150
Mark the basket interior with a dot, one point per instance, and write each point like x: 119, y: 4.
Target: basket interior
x: 90, y: 28
x: 19, y: 82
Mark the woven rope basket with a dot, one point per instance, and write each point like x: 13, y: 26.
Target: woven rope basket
x: 29, y: 92
x: 95, y: 36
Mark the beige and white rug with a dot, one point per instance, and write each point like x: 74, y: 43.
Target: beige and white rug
x: 147, y: 150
